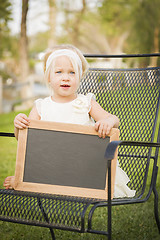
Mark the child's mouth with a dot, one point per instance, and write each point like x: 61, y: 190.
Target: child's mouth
x: 65, y: 86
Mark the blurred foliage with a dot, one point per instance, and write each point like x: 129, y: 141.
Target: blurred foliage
x: 5, y: 16
x: 145, y: 20
x: 5, y: 11
x: 115, y: 16
x: 145, y: 34
x: 38, y: 43
x: 5, y: 75
x: 109, y: 26
x: 139, y: 17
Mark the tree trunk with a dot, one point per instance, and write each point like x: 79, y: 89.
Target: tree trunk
x: 24, y: 42
x: 117, y: 48
x: 153, y: 61
x: 52, y: 23
x: 77, y: 23
x: 26, y: 91
x: 1, y: 95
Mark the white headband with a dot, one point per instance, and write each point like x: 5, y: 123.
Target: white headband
x: 64, y: 52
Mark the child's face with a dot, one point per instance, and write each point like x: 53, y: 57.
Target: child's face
x: 63, y: 80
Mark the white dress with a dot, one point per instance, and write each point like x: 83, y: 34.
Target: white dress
x: 77, y: 112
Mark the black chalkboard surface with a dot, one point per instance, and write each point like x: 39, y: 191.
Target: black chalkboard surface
x: 63, y: 159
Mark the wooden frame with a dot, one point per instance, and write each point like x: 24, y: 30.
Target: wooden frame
x: 21, y: 184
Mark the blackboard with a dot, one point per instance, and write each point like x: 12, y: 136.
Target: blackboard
x: 65, y: 159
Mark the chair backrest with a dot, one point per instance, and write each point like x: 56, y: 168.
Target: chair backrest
x: 133, y: 95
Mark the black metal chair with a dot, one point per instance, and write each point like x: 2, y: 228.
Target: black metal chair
x: 133, y: 95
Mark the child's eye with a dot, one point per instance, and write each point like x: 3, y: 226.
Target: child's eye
x: 58, y: 71
x: 72, y: 72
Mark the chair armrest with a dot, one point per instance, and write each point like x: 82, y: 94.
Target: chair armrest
x: 112, y: 146
x: 4, y: 134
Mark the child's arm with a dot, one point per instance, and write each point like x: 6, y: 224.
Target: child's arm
x: 21, y: 121
x: 104, y: 120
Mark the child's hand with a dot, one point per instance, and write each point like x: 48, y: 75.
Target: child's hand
x: 21, y: 121
x: 103, y: 127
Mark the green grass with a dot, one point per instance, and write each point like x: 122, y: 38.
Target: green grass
x: 128, y: 222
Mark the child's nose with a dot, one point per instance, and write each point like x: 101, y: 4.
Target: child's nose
x: 65, y: 77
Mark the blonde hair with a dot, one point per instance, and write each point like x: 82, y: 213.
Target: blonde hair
x: 68, y: 47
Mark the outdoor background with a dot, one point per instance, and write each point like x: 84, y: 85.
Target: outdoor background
x: 28, y: 28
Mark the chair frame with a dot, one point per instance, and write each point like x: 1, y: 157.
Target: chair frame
x: 94, y: 203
